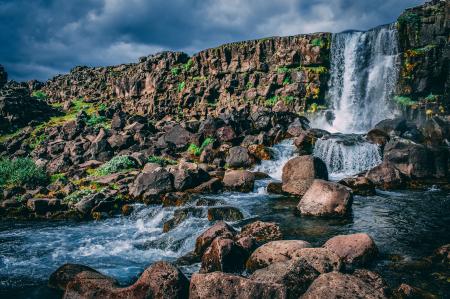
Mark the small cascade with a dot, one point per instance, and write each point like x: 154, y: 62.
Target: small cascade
x: 283, y: 152
x: 363, y: 75
x: 347, y: 155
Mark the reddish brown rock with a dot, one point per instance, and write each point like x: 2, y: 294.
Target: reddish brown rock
x: 260, y: 152
x: 336, y: 285
x: 355, y: 249
x: 239, y: 180
x: 326, y: 199
x: 220, y: 229
x: 64, y: 274
x: 221, y: 285
x: 359, y: 185
x: 261, y: 232
x: 321, y: 259
x: 275, y: 251
x: 223, y: 255
x: 386, y: 176
x: 299, y: 173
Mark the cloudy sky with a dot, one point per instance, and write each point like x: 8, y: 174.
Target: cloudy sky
x: 41, y: 38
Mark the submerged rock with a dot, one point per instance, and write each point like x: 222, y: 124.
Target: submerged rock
x: 224, y: 213
x: 326, y: 199
x: 300, y: 172
x: 359, y: 185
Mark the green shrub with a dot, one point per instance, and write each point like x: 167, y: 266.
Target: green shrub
x: 102, y: 107
x: 287, y: 80
x: 271, y: 101
x: 288, y: 99
x: 188, y: 65
x: 181, y: 86
x: 197, y: 151
x: 96, y: 120
x: 116, y: 164
x: 175, y: 71
x: 404, y: 101
x: 410, y: 19
x: 249, y: 85
x: 58, y: 177
x: 316, y: 69
x: 431, y: 98
x: 40, y: 95
x: 282, y: 70
x: 318, y: 42
x: 21, y: 172
x: 161, y: 160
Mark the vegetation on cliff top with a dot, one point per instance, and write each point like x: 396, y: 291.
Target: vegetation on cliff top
x: 21, y: 172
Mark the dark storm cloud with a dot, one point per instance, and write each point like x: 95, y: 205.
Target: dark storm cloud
x: 39, y: 39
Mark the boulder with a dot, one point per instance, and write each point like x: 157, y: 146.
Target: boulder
x: 442, y: 255
x: 180, y: 215
x: 276, y: 188
x: 377, y: 136
x: 354, y: 250
x: 225, y: 213
x: 150, y: 184
x: 238, y: 157
x: 274, y: 251
x: 336, y: 285
x: 386, y: 176
x: 178, y: 136
x: 359, y: 185
x: 295, y: 274
x: 223, y: 255
x: 326, y: 199
x: 188, y: 175
x: 214, y: 185
x: 220, y: 229
x: 372, y: 278
x: 261, y: 232
x: 300, y: 172
x: 239, y: 180
x: 406, y: 291
x: 321, y: 259
x: 64, y: 274
x: 222, y: 285
x: 305, y: 143
x: 436, y: 131
x: 260, y: 152
x: 392, y: 127
x: 175, y: 199
x: 160, y: 280
x: 225, y: 134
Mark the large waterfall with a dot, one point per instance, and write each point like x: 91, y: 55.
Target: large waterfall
x: 364, y: 71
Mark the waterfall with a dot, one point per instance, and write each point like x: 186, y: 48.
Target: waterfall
x: 347, y: 155
x: 363, y: 76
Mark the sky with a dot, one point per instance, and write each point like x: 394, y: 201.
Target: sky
x: 42, y: 38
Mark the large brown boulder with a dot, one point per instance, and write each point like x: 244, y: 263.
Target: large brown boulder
x: 226, y: 213
x: 160, y: 280
x: 223, y: 255
x: 300, y: 172
x: 261, y: 232
x: 222, y: 285
x: 150, y: 184
x: 326, y: 199
x: 239, y: 156
x: 239, y: 180
x: 321, y: 259
x: 188, y: 175
x: 360, y: 185
x: 64, y: 274
x: 355, y: 249
x: 386, y: 176
x: 178, y: 136
x: 295, y: 274
x: 275, y: 251
x: 220, y: 229
x: 336, y: 285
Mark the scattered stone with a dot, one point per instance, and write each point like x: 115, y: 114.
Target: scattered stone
x: 224, y: 213
x: 326, y: 199
x: 148, y: 184
x: 175, y: 199
x: 261, y: 232
x: 239, y: 180
x: 180, y: 215
x: 214, y: 185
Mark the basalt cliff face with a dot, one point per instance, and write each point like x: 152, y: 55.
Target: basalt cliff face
x: 293, y: 70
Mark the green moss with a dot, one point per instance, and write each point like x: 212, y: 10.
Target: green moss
x: 404, y: 100
x: 316, y: 69
x: 199, y: 78
x: 58, y: 177
x: 97, y: 121
x: 318, y: 42
x: 287, y: 80
x: 75, y: 196
x: 21, y: 172
x: 282, y: 69
x: 271, y: 101
x: 163, y: 161
x: 249, y: 85
x: 116, y: 164
x: 40, y: 95
x: 175, y: 71
x: 431, y: 98
x: 197, y: 151
x: 181, y: 86
x: 288, y: 99
x: 188, y: 65
x: 409, y: 18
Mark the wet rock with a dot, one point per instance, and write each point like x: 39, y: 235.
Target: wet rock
x: 127, y: 210
x: 225, y: 214
x: 160, y: 280
x: 41, y: 205
x: 180, y: 215
x: 300, y: 172
x: 442, y: 255
x: 392, y: 127
x: 407, y: 291
x: 150, y: 184
x: 296, y: 275
x: 175, y: 199
x: 261, y: 232
x: 260, y: 152
x: 386, y: 176
x: 354, y: 250
x: 337, y: 285
x: 321, y: 259
x: 214, y: 185
x: 239, y: 156
x: 220, y: 229
x: 326, y: 199
x: 88, y: 202
x: 276, y: 188
x: 296, y: 128
x: 223, y: 255
x: 378, y: 136
x: 275, y: 251
x: 372, y: 278
x: 64, y: 274
x: 359, y: 185
x: 239, y: 180
x: 225, y: 134
x: 305, y: 143
x: 222, y: 285
x: 436, y: 131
